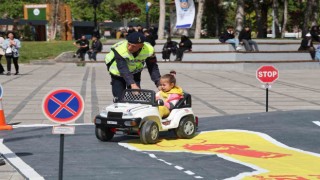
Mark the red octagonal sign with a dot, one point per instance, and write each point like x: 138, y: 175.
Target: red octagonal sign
x: 267, y: 74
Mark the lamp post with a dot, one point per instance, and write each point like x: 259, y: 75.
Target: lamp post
x: 95, y: 4
x: 148, y: 5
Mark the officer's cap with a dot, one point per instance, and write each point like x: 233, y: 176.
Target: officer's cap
x: 136, y: 38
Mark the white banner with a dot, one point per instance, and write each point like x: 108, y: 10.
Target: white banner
x: 185, y: 13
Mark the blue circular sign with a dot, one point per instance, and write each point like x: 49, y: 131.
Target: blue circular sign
x: 1, y: 91
x: 63, y: 106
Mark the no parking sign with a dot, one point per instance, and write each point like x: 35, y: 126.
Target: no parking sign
x: 63, y: 106
x: 1, y: 91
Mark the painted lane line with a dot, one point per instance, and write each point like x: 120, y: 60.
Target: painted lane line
x: 152, y: 155
x: 48, y: 125
x: 198, y: 177
x: 165, y: 162
x: 316, y: 122
x: 189, y: 172
x: 179, y: 167
x: 19, y: 164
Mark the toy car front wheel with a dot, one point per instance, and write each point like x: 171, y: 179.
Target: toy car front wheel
x: 104, y: 133
x: 186, y: 129
x: 149, y: 132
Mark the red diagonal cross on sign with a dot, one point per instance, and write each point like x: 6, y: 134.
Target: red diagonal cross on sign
x: 63, y: 105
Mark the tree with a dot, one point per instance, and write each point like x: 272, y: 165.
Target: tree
x: 315, y: 12
x: 285, y: 18
x: 199, y: 19
x: 162, y: 18
x: 275, y: 9
x: 307, y: 15
x: 239, y: 16
x: 128, y: 10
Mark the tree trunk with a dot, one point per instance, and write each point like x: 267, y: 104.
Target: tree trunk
x: 53, y: 19
x: 264, y: 19
x: 258, y: 19
x: 307, y: 14
x: 239, y: 16
x: 276, y: 18
x: 285, y: 19
x: 162, y: 19
x: 315, y: 12
x: 199, y: 19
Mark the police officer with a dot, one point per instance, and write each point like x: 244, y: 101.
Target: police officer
x: 126, y: 61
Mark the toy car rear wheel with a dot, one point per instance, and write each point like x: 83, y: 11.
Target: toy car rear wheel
x: 104, y: 133
x: 186, y: 129
x: 149, y: 132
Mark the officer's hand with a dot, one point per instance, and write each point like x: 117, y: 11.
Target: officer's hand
x: 134, y: 86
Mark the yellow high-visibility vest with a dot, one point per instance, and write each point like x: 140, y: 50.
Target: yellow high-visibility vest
x: 135, y: 64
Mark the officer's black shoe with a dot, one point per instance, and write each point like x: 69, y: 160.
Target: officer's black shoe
x: 8, y: 73
x: 16, y: 73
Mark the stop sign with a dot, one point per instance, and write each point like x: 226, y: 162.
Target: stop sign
x: 267, y: 74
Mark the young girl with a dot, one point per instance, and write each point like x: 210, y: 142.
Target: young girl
x: 170, y: 94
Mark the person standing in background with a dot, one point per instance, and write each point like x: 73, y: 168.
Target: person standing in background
x: 1, y: 53
x: 11, y: 47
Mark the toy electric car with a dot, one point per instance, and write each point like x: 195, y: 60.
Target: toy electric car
x: 137, y: 114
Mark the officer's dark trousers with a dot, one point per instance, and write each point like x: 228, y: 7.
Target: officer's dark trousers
x: 119, y: 84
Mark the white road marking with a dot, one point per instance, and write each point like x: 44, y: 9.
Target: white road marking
x: 179, y: 167
x: 198, y: 177
x: 165, y: 162
x: 316, y: 122
x: 188, y: 172
x: 48, y: 125
x: 18, y: 164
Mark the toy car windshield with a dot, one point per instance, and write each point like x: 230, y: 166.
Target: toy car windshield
x: 138, y: 96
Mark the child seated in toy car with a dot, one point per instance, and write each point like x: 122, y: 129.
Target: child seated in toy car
x: 170, y: 93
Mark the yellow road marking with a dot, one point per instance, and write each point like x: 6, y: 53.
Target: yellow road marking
x: 271, y: 159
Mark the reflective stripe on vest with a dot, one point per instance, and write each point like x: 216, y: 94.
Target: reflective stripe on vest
x: 135, y: 64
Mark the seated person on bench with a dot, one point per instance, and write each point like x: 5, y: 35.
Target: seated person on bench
x: 170, y: 94
x: 168, y: 48
x: 184, y: 45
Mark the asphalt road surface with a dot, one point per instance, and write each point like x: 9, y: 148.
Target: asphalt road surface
x: 252, y: 146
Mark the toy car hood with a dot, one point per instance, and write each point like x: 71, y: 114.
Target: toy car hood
x: 126, y: 107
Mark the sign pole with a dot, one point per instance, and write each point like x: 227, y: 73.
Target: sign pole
x: 61, y: 156
x: 267, y: 96
x: 267, y: 75
x: 62, y: 106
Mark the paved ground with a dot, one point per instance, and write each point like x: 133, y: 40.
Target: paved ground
x: 215, y: 94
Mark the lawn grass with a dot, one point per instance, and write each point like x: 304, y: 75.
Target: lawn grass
x: 41, y: 50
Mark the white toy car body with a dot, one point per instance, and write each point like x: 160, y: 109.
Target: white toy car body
x: 137, y: 113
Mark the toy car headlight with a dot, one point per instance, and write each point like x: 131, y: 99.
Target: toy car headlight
x: 127, y: 114
x: 104, y: 112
